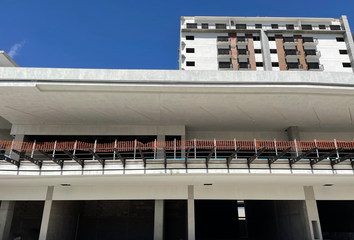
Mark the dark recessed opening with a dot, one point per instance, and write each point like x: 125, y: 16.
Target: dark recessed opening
x: 208, y: 184
x: 328, y: 185
x: 65, y: 185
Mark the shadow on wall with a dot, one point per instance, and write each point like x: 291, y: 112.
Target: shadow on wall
x: 32, y: 234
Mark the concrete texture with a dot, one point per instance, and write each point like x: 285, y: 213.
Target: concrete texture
x: 191, y: 217
x: 6, y: 215
x: 43, y: 235
x: 348, y: 38
x: 159, y: 220
x: 293, y: 133
x: 313, y: 220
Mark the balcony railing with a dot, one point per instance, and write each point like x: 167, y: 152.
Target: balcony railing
x: 243, y: 53
x: 290, y: 41
x: 251, y: 27
x: 223, y: 39
x: 225, y: 66
x: 310, y: 41
x: 312, y: 54
x: 224, y: 52
x: 244, y: 66
x: 242, y: 41
x: 294, y: 66
x: 292, y: 54
x: 315, y: 67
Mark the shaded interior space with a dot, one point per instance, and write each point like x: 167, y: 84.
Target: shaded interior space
x: 124, y: 220
x: 175, y: 220
x: 27, y: 219
x: 216, y: 219
x: 336, y: 218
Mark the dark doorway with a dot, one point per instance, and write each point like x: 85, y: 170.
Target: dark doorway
x: 216, y: 219
x: 175, y: 220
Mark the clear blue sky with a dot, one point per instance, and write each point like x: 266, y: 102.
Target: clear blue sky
x: 126, y: 34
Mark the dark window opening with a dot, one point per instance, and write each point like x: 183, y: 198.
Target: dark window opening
x: 223, y: 39
x: 257, y: 51
x: 205, y: 25
x: 244, y: 65
x: 225, y: 65
x: 290, y: 26
x: 347, y: 65
x: 306, y: 27
x: 271, y: 38
x: 343, y: 52
x: 191, y: 64
x: 308, y: 39
x: 275, y: 64
x: 258, y: 25
x: 311, y: 52
x: 293, y: 65
x: 241, y: 26
x: 322, y: 27
x: 315, y: 65
x: 189, y: 37
x: 220, y: 26
x: 192, y: 25
x: 334, y: 27
x: 259, y: 64
x: 256, y: 38
x: 339, y: 39
x: 190, y: 50
x: 224, y: 52
x: 274, y: 26
x: 273, y: 51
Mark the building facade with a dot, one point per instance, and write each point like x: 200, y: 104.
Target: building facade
x: 266, y: 44
x: 192, y: 155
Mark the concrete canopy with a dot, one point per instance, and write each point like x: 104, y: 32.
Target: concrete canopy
x: 200, y: 100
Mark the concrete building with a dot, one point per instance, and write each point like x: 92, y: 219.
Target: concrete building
x: 171, y: 154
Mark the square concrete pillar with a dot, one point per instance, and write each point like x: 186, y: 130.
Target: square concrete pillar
x: 312, y: 214
x: 46, y: 214
x: 6, y: 214
x: 191, y: 217
x: 159, y: 153
x: 293, y: 133
x: 159, y: 220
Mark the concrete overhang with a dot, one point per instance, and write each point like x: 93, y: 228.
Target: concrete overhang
x: 6, y: 60
x: 200, y: 100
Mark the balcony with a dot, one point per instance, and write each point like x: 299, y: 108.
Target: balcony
x: 243, y: 53
x: 292, y: 54
x: 244, y: 66
x: 224, y: 53
x: 241, y: 41
x: 312, y: 54
x: 225, y: 66
x: 315, y: 67
x: 223, y: 41
x: 294, y: 67
x: 310, y: 42
x: 290, y: 42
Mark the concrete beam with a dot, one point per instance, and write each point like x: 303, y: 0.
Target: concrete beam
x: 293, y: 133
x: 267, y: 62
x: 159, y: 220
x: 6, y: 214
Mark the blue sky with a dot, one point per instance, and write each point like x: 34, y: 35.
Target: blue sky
x: 126, y: 34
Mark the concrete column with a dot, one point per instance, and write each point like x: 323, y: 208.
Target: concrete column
x: 312, y: 214
x: 46, y: 214
x: 6, y: 214
x: 267, y: 61
x: 191, y: 218
x: 159, y: 153
x: 293, y: 133
x: 348, y: 38
x: 159, y: 226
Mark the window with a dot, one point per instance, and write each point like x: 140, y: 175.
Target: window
x: 223, y: 39
x: 257, y: 38
x: 271, y: 38
x: 205, y: 25
x: 340, y: 39
x: 314, y: 65
x: 323, y: 27
x: 275, y: 64
x: 306, y: 27
x: 189, y: 37
x: 334, y: 27
x: 347, y: 65
x: 241, y: 26
x: 257, y: 51
x: 225, y: 65
x: 258, y: 25
x: 259, y: 64
x: 191, y: 64
x: 273, y: 51
x: 290, y: 26
x: 190, y: 50
x: 220, y: 26
x: 274, y: 26
x: 192, y: 25
x: 343, y: 52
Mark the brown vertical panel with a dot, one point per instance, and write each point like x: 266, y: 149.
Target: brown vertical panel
x: 234, y: 60
x: 281, y: 52
x: 300, y: 47
x: 252, y: 59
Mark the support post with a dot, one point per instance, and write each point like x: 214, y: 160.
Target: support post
x: 191, y: 221
x: 158, y: 225
x: 46, y: 213
x: 312, y: 213
x: 6, y: 214
x: 160, y: 151
x: 293, y: 133
x: 267, y: 62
